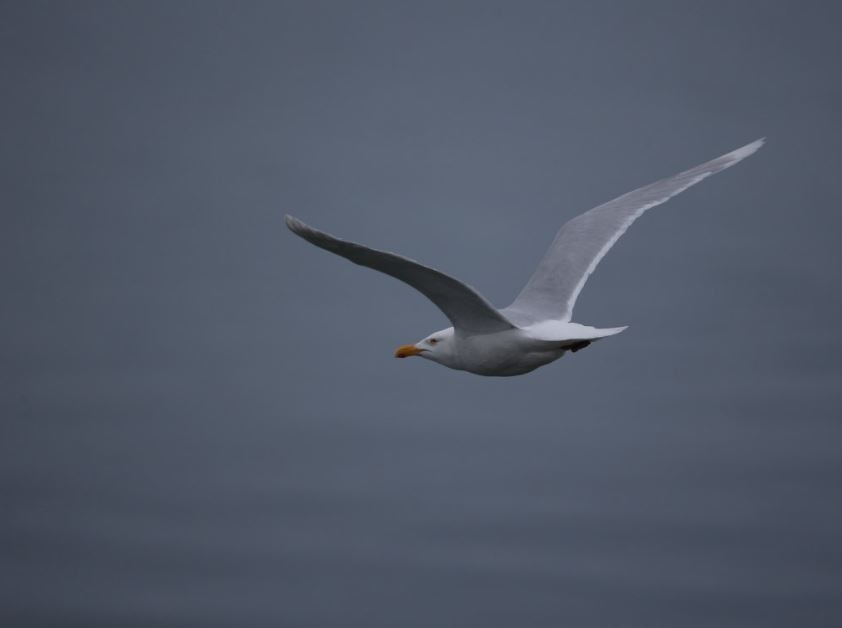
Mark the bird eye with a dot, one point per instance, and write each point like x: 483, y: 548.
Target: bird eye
x: 433, y: 341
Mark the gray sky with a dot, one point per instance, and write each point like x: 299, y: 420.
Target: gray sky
x: 203, y: 424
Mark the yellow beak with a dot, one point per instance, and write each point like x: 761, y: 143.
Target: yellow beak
x: 405, y: 351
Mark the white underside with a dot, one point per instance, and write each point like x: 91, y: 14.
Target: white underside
x: 519, y: 351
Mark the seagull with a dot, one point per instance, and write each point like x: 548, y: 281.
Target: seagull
x: 536, y: 328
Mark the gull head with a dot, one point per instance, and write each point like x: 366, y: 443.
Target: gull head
x: 437, y: 347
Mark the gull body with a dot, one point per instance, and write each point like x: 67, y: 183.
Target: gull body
x: 536, y: 328
x: 504, y: 353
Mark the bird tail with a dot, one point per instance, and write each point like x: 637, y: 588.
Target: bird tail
x: 608, y: 331
x: 556, y: 334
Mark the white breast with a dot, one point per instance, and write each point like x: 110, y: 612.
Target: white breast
x: 512, y: 352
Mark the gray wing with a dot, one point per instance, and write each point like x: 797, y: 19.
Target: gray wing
x: 466, y: 308
x: 582, y: 242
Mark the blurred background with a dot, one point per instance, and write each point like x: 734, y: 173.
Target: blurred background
x: 202, y: 422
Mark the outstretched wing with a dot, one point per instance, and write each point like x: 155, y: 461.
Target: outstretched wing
x: 465, y: 307
x: 582, y: 242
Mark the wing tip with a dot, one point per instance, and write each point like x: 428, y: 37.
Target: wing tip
x: 747, y: 150
x: 294, y: 225
x: 302, y: 229
x: 312, y: 235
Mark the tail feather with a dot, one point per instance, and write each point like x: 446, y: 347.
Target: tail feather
x: 558, y: 331
x: 610, y: 331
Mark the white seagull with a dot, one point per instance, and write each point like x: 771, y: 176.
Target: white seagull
x: 536, y: 328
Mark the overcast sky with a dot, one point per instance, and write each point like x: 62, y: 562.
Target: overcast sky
x: 203, y: 423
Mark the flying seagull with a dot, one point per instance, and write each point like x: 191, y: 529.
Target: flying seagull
x: 536, y: 328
